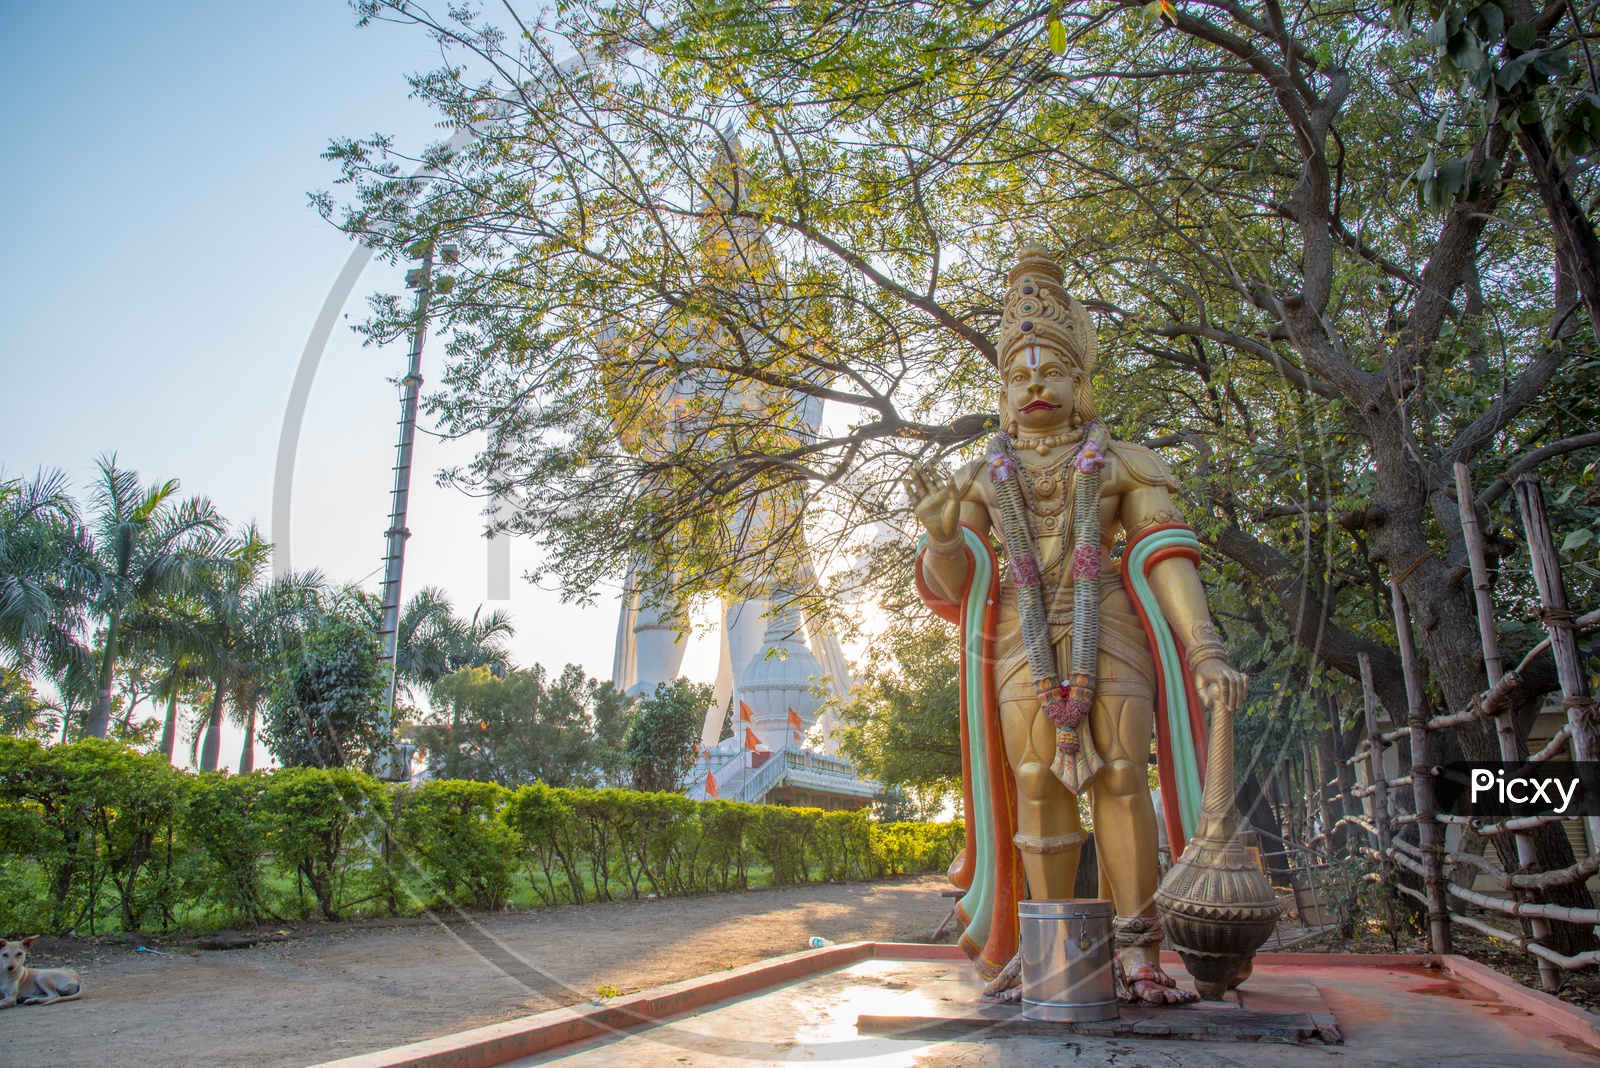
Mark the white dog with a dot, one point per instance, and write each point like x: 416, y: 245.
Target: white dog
x: 21, y: 985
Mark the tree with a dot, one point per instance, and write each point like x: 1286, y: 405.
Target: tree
x: 146, y: 543
x: 516, y: 728
x: 433, y: 642
x: 224, y: 599
x: 1313, y: 349
x: 327, y: 710
x: 665, y: 734
x: 902, y: 725
x: 44, y: 578
x: 278, y: 614
x: 612, y: 712
x: 22, y: 714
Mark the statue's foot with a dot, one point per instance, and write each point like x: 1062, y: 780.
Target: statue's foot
x: 1141, y: 980
x: 1149, y: 985
x: 1007, y: 984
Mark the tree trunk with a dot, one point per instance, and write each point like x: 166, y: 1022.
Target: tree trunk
x: 169, y: 726
x: 99, y: 720
x: 213, y: 740
x: 1252, y: 805
x: 1327, y: 781
x: 247, y: 755
x: 1341, y: 745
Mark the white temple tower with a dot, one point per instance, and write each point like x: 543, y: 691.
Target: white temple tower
x: 771, y: 660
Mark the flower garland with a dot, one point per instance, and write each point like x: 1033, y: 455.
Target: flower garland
x: 1066, y: 703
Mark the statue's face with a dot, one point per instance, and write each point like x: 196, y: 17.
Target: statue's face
x: 1040, y: 390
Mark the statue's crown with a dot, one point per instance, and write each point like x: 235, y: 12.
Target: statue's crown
x: 1039, y: 309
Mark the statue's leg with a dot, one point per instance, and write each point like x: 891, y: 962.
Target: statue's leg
x: 1125, y: 838
x: 1049, y: 833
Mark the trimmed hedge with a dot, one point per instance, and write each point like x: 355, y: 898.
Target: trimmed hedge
x: 96, y: 837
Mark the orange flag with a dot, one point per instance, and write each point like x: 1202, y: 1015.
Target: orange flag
x: 745, y: 714
x: 794, y: 722
x: 711, y: 785
x: 751, y: 742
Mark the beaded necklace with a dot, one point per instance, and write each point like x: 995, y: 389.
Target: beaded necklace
x: 1066, y: 703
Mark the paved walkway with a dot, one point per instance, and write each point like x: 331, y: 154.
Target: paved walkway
x: 1395, y: 1016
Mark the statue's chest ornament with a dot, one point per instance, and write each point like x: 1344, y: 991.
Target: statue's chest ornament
x: 1022, y: 497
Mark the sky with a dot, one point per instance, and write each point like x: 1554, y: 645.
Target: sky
x: 161, y: 269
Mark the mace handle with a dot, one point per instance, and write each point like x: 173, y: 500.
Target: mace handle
x: 1217, y: 800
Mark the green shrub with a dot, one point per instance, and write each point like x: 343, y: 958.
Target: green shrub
x: 326, y: 826
x: 96, y: 835
x: 43, y: 827
x: 783, y: 837
x: 724, y: 825
x: 546, y: 832
x: 132, y: 801
x: 227, y: 825
x: 96, y: 818
x: 454, y: 831
x: 843, y: 846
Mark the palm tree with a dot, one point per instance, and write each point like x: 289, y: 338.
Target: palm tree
x: 183, y: 670
x: 432, y: 641
x: 224, y: 606
x: 479, y: 642
x: 45, y: 579
x: 277, y: 617
x: 146, y: 544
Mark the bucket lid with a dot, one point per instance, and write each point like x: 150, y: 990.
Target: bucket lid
x: 1057, y: 908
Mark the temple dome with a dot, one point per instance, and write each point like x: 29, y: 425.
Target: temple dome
x: 777, y: 679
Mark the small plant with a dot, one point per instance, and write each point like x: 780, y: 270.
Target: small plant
x: 606, y: 990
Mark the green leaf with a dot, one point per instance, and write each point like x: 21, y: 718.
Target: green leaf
x: 1577, y: 539
x: 1488, y: 22
x: 1452, y: 176
x: 1521, y: 35
x: 1439, y: 32
x: 1058, y: 37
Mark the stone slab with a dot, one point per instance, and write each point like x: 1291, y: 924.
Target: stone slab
x: 1288, y: 1009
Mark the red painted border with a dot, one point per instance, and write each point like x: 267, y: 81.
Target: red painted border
x: 1578, y: 1023
x: 482, y: 1047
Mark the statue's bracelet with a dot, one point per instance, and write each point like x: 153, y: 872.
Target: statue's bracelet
x: 1200, y: 652
x: 955, y: 547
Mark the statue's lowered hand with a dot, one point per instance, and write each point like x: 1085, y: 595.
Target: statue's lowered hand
x: 935, y: 502
x: 1221, y: 688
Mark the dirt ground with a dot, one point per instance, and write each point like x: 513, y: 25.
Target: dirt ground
x: 334, y: 990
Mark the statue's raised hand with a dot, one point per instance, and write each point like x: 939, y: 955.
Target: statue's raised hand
x: 935, y: 503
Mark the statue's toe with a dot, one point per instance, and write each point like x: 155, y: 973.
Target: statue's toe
x: 1152, y: 986
x: 1007, y: 984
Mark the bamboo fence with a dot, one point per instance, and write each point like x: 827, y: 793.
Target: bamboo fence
x: 1448, y: 877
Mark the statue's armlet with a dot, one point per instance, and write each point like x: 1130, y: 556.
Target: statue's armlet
x: 1146, y: 486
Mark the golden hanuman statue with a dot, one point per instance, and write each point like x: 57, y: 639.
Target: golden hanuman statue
x: 1070, y: 658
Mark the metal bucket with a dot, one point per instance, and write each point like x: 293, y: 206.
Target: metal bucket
x: 1067, y: 970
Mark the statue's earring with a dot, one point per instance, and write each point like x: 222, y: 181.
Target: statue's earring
x: 1083, y: 401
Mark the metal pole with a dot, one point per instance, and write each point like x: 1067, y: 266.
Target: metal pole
x: 395, y: 554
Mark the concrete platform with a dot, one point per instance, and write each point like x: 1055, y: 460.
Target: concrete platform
x: 889, y: 1005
